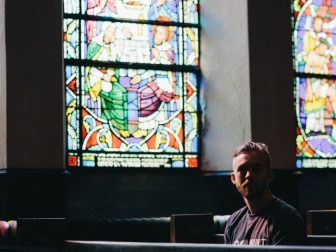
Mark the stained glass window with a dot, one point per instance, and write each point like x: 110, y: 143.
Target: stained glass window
x: 314, y: 37
x: 132, y: 83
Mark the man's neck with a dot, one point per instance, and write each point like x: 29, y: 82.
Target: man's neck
x: 258, y: 204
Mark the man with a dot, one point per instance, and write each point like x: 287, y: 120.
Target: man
x: 266, y: 219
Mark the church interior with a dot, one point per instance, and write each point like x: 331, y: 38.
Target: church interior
x: 246, y: 64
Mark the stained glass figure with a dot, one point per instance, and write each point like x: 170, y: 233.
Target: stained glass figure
x: 314, y: 60
x: 315, y: 36
x: 136, y: 43
x: 133, y: 107
x: 135, y: 10
x: 130, y: 99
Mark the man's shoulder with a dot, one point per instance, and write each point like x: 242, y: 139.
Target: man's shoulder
x: 287, y: 224
x: 285, y: 215
x: 284, y: 208
x: 235, y: 220
x: 237, y: 215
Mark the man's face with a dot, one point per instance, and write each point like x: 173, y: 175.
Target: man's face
x: 251, y: 174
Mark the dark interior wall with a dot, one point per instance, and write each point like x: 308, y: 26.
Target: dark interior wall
x: 148, y: 193
x: 271, y: 79
x: 32, y: 193
x: 126, y: 193
x: 158, y: 193
x: 317, y: 190
x: 34, y: 84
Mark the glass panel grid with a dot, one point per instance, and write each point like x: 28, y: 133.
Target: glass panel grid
x: 131, y: 117
x: 314, y: 47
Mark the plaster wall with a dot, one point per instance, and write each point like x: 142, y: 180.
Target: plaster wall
x: 225, y: 68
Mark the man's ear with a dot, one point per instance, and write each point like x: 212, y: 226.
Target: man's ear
x: 233, y: 178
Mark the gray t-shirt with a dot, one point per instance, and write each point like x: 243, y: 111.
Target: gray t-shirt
x: 278, y: 224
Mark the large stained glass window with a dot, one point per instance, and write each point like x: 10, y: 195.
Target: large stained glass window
x: 132, y: 83
x: 314, y: 37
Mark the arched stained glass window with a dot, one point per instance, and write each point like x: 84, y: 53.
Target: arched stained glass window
x: 132, y: 83
x: 314, y: 37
